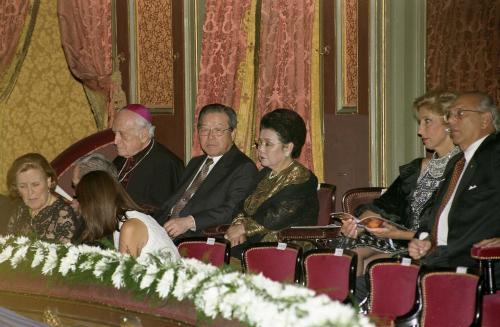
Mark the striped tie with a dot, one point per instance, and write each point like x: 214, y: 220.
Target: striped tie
x: 455, y: 176
x: 191, y: 190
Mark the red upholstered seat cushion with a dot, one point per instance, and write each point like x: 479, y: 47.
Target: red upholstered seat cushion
x: 208, y: 253
x: 449, y: 299
x: 275, y: 264
x: 392, y: 289
x: 491, y: 310
x: 326, y: 198
x: 328, y: 274
x: 485, y: 252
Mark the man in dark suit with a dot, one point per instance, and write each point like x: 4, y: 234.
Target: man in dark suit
x: 472, y: 212
x: 147, y: 170
x: 213, y: 185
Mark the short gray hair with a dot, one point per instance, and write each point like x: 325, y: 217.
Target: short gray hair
x: 140, y: 122
x: 486, y: 104
x: 93, y: 162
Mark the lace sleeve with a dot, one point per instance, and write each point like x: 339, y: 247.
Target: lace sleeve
x: 65, y: 227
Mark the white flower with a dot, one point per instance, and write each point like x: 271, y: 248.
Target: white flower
x: 165, y: 284
x: 22, y: 240
x: 149, y: 277
x: 39, y: 256
x: 101, y: 266
x: 117, y: 277
x: 19, y: 255
x: 6, y: 253
x: 252, y: 299
x: 68, y: 263
x: 50, y: 259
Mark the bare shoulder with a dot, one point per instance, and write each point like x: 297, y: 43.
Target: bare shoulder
x: 132, y: 226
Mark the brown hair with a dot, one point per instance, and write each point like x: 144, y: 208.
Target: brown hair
x: 103, y: 203
x: 27, y: 162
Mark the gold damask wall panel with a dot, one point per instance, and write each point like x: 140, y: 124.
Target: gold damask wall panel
x: 47, y: 110
x: 154, y: 54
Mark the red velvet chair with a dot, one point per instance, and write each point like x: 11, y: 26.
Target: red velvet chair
x: 63, y: 164
x: 392, y: 286
x: 357, y: 196
x: 206, y: 249
x: 446, y: 298
x: 490, y: 311
x: 331, y: 274
x: 326, y: 198
x: 281, y: 265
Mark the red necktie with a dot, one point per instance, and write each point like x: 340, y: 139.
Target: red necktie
x: 191, y: 190
x: 455, y: 176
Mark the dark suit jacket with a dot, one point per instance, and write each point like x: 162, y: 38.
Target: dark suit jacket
x: 155, y: 179
x: 220, y: 195
x: 475, y: 211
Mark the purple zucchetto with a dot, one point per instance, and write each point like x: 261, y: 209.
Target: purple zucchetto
x: 140, y: 110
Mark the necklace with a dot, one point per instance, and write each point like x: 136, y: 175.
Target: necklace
x: 136, y: 164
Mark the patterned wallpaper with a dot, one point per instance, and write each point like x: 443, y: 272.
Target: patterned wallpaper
x: 47, y: 110
x: 154, y: 54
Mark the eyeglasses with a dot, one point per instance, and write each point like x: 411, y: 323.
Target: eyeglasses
x: 458, y: 114
x: 261, y: 144
x: 204, y: 131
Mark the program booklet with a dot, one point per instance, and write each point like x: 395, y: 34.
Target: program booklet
x: 370, y: 221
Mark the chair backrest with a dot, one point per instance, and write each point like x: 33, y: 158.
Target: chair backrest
x: 357, y: 196
x: 326, y: 198
x: 209, y: 250
x: 331, y: 273
x: 280, y: 262
x: 448, y: 298
x: 63, y: 164
x: 392, y: 287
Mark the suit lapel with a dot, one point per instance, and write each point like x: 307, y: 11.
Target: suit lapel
x: 469, y: 173
x: 218, y: 172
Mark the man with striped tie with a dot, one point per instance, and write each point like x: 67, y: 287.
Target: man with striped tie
x: 468, y: 206
x: 213, y: 185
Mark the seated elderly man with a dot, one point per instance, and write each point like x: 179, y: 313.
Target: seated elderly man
x: 215, y: 184
x: 146, y: 169
x: 469, y: 202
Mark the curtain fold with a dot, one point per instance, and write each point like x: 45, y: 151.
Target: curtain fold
x: 86, y: 39
x: 285, y: 62
x: 17, y: 20
x: 463, y: 45
x: 257, y: 55
x: 226, y: 70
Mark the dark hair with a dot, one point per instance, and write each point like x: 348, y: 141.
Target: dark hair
x: 24, y: 163
x: 289, y: 126
x: 103, y: 203
x: 217, y: 107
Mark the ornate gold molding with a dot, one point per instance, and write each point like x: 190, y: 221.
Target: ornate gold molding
x: 346, y: 50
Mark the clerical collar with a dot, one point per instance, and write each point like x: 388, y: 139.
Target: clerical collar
x: 131, y: 163
x: 144, y: 152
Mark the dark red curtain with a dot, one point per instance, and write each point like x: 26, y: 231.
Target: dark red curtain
x: 463, y: 45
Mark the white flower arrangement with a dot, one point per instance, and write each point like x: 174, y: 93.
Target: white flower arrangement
x: 251, y: 299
